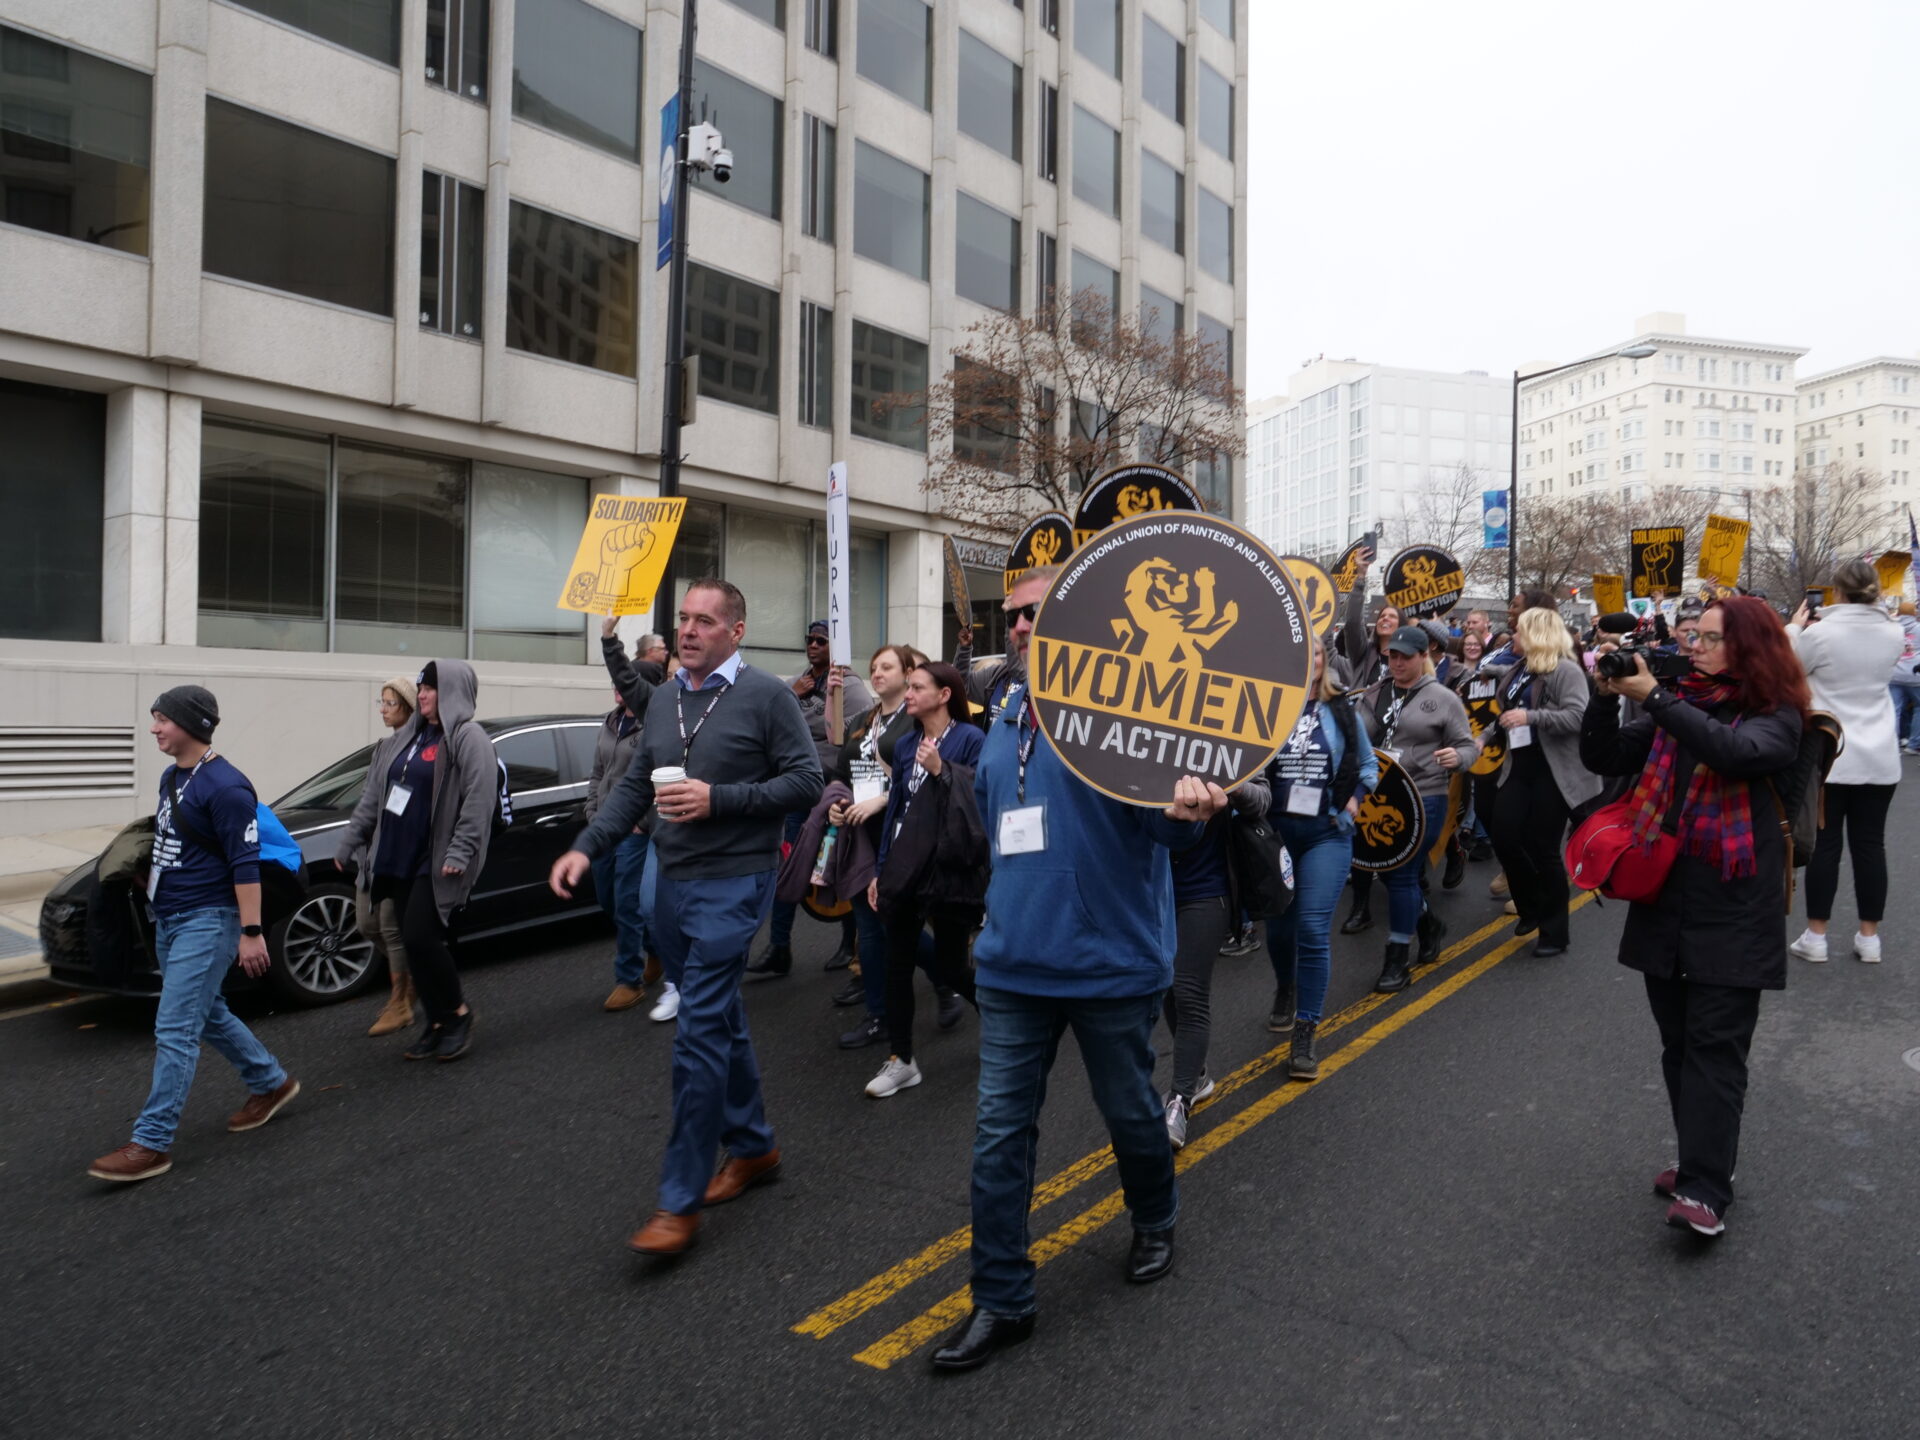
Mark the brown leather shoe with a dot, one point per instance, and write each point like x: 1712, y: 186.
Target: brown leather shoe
x: 739, y: 1173
x: 130, y: 1162
x: 665, y: 1233
x: 261, y: 1108
x: 624, y: 997
x: 651, y: 975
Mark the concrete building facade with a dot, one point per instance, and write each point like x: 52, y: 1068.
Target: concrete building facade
x: 1862, y: 417
x: 322, y: 320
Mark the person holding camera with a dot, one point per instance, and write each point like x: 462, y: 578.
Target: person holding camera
x: 1714, y: 936
x: 1543, y: 697
x: 1848, y: 654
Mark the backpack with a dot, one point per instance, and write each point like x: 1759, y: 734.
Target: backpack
x: 1800, y: 790
x: 283, y: 886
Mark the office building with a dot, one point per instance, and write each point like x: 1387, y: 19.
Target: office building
x: 1861, y: 418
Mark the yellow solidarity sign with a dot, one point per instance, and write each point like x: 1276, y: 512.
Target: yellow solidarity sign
x: 622, y: 554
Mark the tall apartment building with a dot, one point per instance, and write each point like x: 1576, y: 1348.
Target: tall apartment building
x: 1352, y: 447
x: 1708, y: 413
x: 321, y: 320
x: 1862, y: 417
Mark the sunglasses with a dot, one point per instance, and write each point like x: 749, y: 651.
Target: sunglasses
x: 1021, y: 612
x: 816, y: 639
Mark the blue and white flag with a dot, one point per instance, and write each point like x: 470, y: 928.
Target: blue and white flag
x: 1493, y: 519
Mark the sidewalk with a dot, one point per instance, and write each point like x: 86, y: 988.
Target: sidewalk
x: 30, y: 865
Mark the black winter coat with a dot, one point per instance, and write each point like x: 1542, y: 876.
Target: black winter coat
x: 1702, y: 927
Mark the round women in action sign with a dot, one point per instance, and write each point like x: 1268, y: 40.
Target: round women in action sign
x: 1047, y: 540
x: 1316, y: 588
x: 1129, y: 490
x: 1391, y: 827
x: 1173, y: 644
x: 1423, y: 581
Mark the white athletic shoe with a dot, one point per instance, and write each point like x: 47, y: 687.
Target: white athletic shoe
x: 668, y: 1005
x: 1867, y: 948
x: 896, y: 1075
x: 1810, y: 947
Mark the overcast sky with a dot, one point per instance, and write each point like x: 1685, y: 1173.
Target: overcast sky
x: 1483, y: 183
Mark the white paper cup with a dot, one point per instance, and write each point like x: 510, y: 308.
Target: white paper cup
x: 668, y: 775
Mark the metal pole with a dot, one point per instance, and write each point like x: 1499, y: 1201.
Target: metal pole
x: 677, y: 272
x: 1747, y: 585
x: 1513, y: 493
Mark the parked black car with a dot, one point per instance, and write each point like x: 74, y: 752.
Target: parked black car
x: 319, y: 956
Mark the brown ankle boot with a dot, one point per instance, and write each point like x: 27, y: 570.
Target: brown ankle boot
x: 398, y: 1014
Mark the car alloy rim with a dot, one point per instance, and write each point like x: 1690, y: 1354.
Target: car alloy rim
x: 323, y: 951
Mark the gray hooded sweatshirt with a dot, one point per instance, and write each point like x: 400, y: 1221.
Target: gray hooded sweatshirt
x: 465, y: 793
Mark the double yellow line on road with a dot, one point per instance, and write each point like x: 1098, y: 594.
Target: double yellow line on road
x: 900, y: 1343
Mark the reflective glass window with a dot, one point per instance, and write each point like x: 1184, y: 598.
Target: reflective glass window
x: 888, y: 364
x: 1216, y: 110
x: 1096, y: 162
x: 1096, y: 32
x: 576, y: 71
x: 52, y: 486
x: 1162, y: 215
x: 1216, y: 236
x: 526, y: 526
x: 1163, y: 70
x: 400, y: 565
x: 733, y: 326
x: 752, y: 122
x: 370, y: 26
x: 452, y: 231
x: 263, y: 538
x: 1161, y: 316
x: 570, y: 290
x: 891, y: 202
x: 989, y: 96
x: 896, y: 48
x: 987, y: 256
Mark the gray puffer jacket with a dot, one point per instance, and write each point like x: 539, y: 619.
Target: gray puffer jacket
x: 612, y: 753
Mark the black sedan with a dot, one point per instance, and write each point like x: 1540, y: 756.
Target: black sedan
x: 100, y: 937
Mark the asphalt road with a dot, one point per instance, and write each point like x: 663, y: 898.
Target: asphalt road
x: 1452, y: 1233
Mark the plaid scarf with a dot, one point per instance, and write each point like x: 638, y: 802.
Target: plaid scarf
x: 1716, y: 822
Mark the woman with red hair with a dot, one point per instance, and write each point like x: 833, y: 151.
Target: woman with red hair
x: 1715, y: 936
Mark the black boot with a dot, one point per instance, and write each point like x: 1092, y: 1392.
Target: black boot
x: 774, y: 961
x: 843, y: 957
x: 1456, y: 870
x: 1362, y: 915
x: 1393, y: 974
x: 1302, y: 1063
x: 1431, y: 930
x: 1280, y: 1018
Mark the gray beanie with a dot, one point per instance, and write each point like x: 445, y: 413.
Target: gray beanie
x: 192, y: 708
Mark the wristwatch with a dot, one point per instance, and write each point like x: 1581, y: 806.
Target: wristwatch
x: 252, y: 932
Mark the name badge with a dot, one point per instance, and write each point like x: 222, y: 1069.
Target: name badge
x: 868, y: 787
x: 1304, y: 799
x: 153, y: 882
x: 1519, y: 737
x: 1023, y: 831
x: 1393, y: 755
x: 397, y: 799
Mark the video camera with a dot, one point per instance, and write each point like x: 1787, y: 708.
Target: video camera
x: 1618, y: 664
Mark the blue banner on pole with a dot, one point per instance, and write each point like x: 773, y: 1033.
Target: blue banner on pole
x: 1493, y: 519
x: 669, y: 174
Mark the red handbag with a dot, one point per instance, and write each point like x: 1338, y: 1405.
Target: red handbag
x: 1602, y: 855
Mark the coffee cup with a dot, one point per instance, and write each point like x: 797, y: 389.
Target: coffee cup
x: 668, y: 775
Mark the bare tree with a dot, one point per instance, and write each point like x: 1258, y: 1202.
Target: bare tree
x: 1809, y: 524
x: 1032, y: 409
x: 1448, y: 512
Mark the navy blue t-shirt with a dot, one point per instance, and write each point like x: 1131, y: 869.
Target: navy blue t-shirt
x: 217, y: 801
x: 1200, y: 873
x: 404, y: 837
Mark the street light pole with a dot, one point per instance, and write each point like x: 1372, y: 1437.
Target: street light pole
x: 675, y: 388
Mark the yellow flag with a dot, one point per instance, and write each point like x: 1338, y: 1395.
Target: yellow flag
x: 622, y: 555
x: 1723, y: 548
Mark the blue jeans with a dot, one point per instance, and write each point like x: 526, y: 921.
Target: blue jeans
x: 1404, y: 901
x: 1019, y: 1037
x: 1299, y: 943
x: 195, y: 950
x: 703, y: 928
x: 623, y: 878
x: 1906, y: 709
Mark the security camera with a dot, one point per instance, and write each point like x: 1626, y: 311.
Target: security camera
x: 707, y: 151
x: 723, y: 165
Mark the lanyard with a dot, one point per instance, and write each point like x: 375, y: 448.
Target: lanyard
x: 180, y: 795
x: 917, y: 776
x: 1520, y: 680
x: 1390, y: 721
x: 680, y: 715
x: 870, y: 742
x: 1024, y: 741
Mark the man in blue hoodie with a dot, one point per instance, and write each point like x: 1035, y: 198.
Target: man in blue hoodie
x: 1056, y: 954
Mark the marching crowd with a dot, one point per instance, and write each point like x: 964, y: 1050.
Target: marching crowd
x: 943, y: 833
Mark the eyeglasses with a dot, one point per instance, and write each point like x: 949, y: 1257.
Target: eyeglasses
x: 1021, y: 612
x: 1708, y: 638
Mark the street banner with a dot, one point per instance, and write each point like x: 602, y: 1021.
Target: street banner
x: 1424, y: 580
x: 1047, y: 540
x: 957, y: 584
x: 1610, y: 594
x: 1659, y: 560
x: 1173, y: 645
x: 622, y: 554
x: 1892, y: 570
x: 839, y: 596
x: 1391, y: 825
x: 1482, y: 697
x: 1493, y: 519
x: 1346, y: 570
x: 1316, y: 588
x: 1129, y: 490
x: 669, y: 174
x: 1723, y: 548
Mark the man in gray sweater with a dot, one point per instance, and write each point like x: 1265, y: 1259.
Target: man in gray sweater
x: 738, y: 736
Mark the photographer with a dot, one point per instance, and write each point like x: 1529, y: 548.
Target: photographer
x: 1715, y: 935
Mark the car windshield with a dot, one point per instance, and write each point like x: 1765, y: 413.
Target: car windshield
x: 335, y: 788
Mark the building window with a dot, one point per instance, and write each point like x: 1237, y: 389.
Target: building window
x: 526, y: 526
x: 1161, y: 316
x: 1046, y: 278
x: 816, y: 218
x: 571, y: 292
x: 1212, y: 333
x: 986, y: 417
x: 263, y: 539
x: 297, y: 211
x: 1050, y: 16
x: 1163, y: 70
x: 1216, y: 110
x: 891, y: 202
x: 816, y: 365
x: 986, y: 266
x: 1096, y: 32
x: 1096, y: 162
x: 896, y: 48
x: 1049, y: 132
x: 823, y: 29
x: 457, y: 46
x: 1216, y: 236
x: 1103, y: 281
x: 400, y: 560
x: 753, y: 123
x: 888, y: 364
x: 774, y: 12
x: 733, y: 325
x: 52, y: 473
x: 371, y: 27
x: 452, y: 228
x: 75, y: 141
x: 990, y: 89
x: 1219, y: 14
x: 1162, y: 215
x: 576, y: 70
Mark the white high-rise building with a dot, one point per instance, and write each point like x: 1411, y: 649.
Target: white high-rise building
x: 1863, y: 417
x: 321, y: 321
x: 1352, y: 447
x: 1709, y: 413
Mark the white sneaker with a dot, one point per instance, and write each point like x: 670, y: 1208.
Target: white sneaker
x: 1867, y: 948
x: 1810, y: 947
x: 1176, y: 1121
x: 1204, y: 1088
x: 896, y: 1075
x: 668, y: 1005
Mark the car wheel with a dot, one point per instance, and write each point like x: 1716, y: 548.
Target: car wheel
x: 319, y: 954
